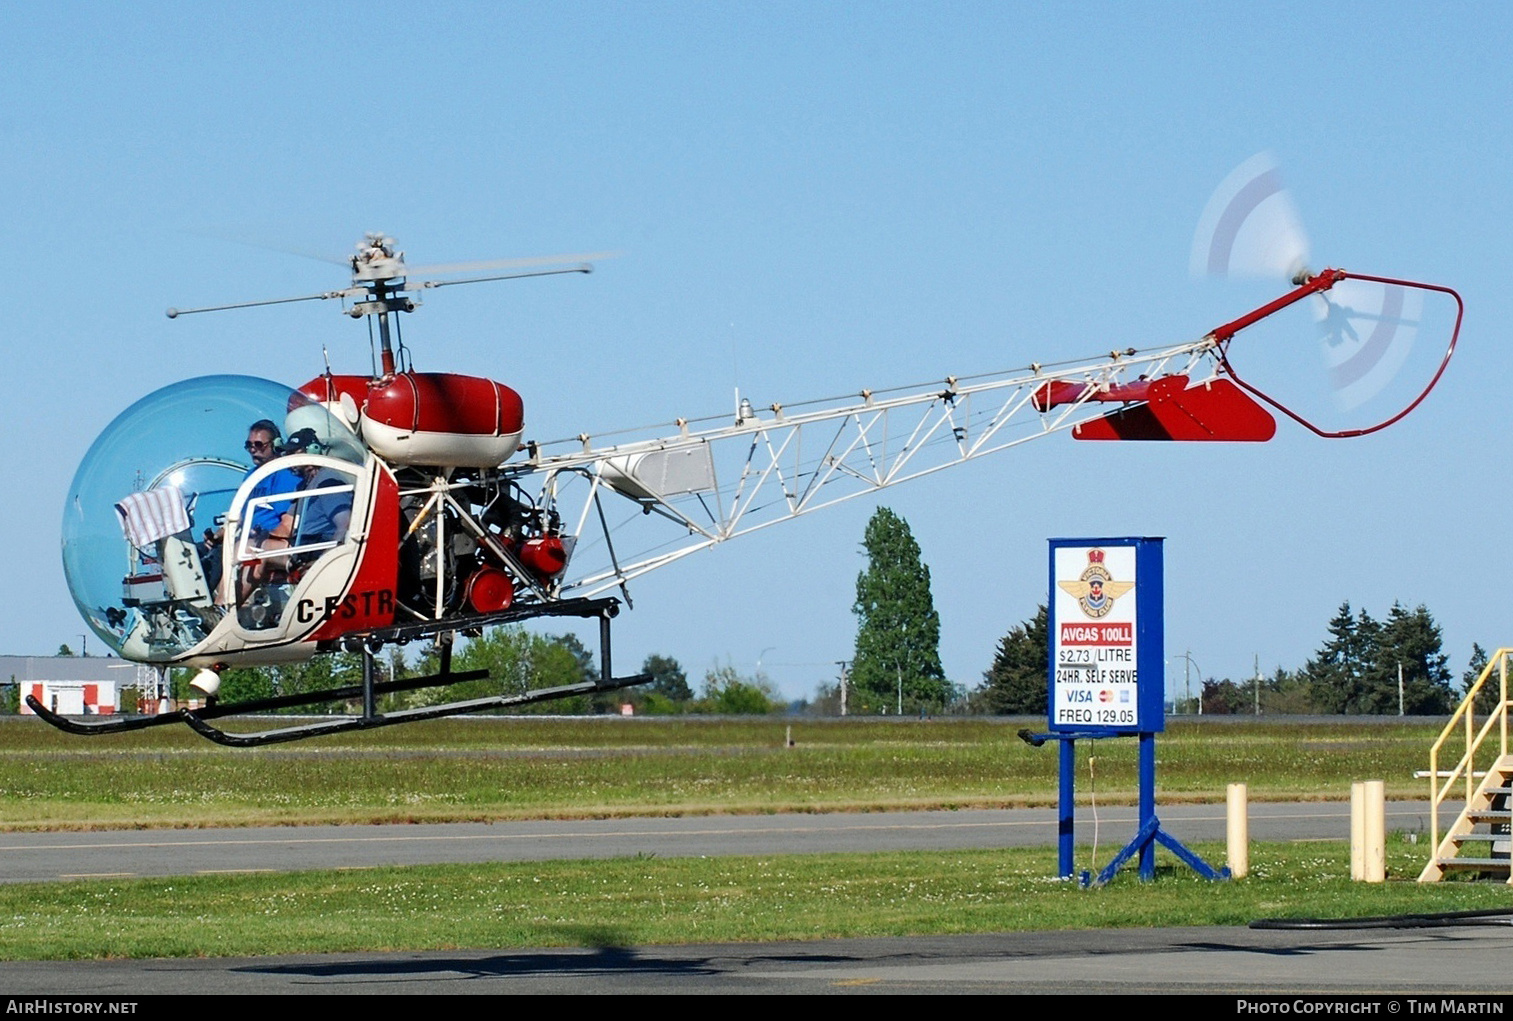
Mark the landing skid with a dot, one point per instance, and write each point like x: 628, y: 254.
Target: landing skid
x: 218, y: 710
x: 370, y: 688
x: 197, y: 720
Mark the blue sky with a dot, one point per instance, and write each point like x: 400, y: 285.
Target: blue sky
x: 810, y: 198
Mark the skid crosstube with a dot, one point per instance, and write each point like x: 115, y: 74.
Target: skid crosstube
x: 367, y: 643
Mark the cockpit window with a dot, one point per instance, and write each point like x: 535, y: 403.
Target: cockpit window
x: 143, y: 517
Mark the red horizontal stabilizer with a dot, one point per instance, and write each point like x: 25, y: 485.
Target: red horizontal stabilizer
x: 1214, y: 410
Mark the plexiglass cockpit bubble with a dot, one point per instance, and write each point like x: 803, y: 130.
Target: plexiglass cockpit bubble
x: 153, y: 491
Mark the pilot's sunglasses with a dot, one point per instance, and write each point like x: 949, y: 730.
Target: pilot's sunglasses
x: 252, y: 446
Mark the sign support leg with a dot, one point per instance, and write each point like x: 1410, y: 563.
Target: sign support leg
x: 1148, y: 805
x: 1066, y: 824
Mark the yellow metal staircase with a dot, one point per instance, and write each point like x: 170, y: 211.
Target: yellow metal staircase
x: 1479, y: 839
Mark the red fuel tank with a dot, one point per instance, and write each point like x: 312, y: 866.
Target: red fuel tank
x: 430, y: 418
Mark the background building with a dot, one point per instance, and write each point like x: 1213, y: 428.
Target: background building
x: 72, y: 685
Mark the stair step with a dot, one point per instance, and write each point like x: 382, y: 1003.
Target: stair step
x: 1484, y: 864
x: 1503, y: 838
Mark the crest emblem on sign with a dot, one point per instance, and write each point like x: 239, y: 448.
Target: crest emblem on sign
x: 1095, y: 590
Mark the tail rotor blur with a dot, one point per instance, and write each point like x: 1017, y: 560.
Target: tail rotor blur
x: 1370, y: 371
x: 1251, y: 226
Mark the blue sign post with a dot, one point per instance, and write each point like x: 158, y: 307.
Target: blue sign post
x: 1107, y: 678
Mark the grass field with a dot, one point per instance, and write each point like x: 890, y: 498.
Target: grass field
x: 478, y: 769
x: 503, y: 768
x: 637, y: 901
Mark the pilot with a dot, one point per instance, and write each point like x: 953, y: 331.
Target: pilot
x: 272, y: 524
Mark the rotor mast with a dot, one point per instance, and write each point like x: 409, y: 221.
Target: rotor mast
x: 380, y: 270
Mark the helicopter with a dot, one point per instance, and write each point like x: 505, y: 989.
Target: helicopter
x: 401, y: 506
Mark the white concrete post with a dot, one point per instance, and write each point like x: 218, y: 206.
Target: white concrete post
x: 1237, y: 830
x: 1357, y: 832
x: 1376, y: 831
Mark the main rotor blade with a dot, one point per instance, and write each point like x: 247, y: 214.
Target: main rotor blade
x: 426, y: 284
x: 484, y: 265
x: 249, y: 240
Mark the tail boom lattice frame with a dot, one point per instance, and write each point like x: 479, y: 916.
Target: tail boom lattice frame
x: 784, y: 463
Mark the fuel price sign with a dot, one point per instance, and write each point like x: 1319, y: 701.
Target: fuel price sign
x: 1106, y: 643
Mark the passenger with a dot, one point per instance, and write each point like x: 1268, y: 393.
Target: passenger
x: 323, y: 518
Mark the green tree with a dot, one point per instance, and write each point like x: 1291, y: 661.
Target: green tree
x: 243, y: 684
x: 1410, y: 639
x: 1016, y: 682
x: 1487, y: 698
x: 668, y: 678
x: 668, y: 692
x: 1356, y: 670
x: 588, y: 663
x: 398, y: 668
x: 555, y: 661
x: 587, y: 670
x: 64, y: 650
x: 1224, y: 698
x: 726, y: 691
x: 1286, y: 693
x: 504, y: 652
x: 898, y: 630
x: 319, y: 673
x: 1338, y: 675
x: 519, y: 661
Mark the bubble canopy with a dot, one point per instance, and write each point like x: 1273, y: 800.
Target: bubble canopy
x: 160, y: 476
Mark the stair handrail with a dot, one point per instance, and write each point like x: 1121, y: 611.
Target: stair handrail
x: 1466, y: 713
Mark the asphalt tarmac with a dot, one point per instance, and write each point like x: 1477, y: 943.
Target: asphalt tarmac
x: 38, y: 857
x: 1314, y: 968
x: 1383, y: 966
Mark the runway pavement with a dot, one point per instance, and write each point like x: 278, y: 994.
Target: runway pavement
x: 34, y: 857
x: 1232, y: 962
